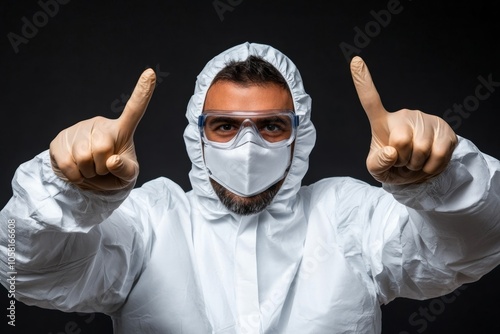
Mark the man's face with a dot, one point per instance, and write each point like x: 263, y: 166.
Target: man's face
x: 225, y: 96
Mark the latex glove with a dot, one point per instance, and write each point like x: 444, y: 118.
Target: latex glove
x: 407, y: 146
x: 99, y: 153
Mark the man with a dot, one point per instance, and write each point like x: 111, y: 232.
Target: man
x: 250, y: 250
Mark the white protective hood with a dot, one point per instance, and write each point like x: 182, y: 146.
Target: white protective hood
x: 306, y: 134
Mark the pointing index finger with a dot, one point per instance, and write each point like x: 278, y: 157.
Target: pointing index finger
x: 138, y: 101
x: 367, y: 93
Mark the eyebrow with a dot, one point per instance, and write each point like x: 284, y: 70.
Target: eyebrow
x: 223, y: 119
x: 237, y: 120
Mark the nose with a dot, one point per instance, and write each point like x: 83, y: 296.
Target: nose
x: 247, y: 122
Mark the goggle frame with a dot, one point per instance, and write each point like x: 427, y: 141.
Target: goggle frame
x: 247, y: 117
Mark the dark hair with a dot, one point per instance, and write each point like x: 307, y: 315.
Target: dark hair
x: 252, y: 71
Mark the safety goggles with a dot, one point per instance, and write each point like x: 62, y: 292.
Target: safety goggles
x: 230, y: 129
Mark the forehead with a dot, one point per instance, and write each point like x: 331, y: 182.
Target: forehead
x: 225, y: 96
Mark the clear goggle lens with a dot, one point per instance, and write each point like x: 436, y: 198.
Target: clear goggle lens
x: 224, y: 130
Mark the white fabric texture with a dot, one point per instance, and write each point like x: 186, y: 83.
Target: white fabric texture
x: 320, y: 259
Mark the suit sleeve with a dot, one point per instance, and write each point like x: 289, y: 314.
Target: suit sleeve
x: 74, y: 250
x: 437, y: 235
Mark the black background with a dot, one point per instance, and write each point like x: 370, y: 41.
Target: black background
x: 89, y: 54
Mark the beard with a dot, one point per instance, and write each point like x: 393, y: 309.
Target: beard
x: 246, y: 206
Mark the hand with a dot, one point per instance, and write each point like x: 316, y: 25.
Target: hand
x: 99, y: 153
x: 407, y: 146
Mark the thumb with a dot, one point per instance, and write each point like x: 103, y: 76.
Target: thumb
x: 123, y: 167
x: 380, y: 160
x: 367, y: 92
x: 138, y: 102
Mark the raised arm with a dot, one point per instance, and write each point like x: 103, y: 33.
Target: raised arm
x: 443, y: 230
x: 74, y: 249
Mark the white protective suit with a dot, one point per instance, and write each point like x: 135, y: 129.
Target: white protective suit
x: 320, y: 259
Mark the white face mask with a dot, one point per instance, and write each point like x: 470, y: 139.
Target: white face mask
x: 248, y: 169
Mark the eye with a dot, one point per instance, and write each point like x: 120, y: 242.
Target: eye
x: 226, y: 127
x: 221, y: 124
x: 273, y: 127
x: 221, y: 128
x: 276, y: 128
